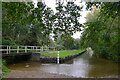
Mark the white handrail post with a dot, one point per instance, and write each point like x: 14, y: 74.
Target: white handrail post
x: 58, y: 57
x: 46, y: 48
x: 7, y: 49
x: 39, y: 48
x: 17, y: 49
x: 25, y: 49
x: 42, y: 48
x: 33, y: 48
x: 36, y: 48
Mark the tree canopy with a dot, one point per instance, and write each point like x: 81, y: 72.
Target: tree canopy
x: 24, y: 24
x: 101, y: 30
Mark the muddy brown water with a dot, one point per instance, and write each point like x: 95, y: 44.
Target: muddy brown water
x: 85, y: 66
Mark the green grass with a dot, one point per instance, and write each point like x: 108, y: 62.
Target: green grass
x: 63, y: 54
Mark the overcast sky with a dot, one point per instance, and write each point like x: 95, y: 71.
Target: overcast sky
x: 52, y: 5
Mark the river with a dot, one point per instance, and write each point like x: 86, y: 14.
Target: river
x: 85, y: 66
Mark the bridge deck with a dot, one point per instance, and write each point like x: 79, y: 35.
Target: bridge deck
x: 8, y: 50
x: 14, y: 54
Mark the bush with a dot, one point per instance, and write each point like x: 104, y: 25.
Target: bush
x: 5, y: 70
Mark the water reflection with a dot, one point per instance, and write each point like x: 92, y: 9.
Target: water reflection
x: 82, y: 66
x: 85, y: 66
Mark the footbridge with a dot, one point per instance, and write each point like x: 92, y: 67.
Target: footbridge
x: 8, y: 50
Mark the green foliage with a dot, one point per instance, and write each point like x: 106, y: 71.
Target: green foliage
x: 14, y: 22
x: 101, y: 31
x: 67, y: 42
x: 67, y: 17
x: 23, y: 24
x: 89, y: 5
x: 5, y: 70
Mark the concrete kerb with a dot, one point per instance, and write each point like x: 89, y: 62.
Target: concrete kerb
x: 46, y: 59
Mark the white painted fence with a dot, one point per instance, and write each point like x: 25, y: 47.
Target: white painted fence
x: 9, y: 49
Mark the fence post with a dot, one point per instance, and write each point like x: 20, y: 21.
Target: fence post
x: 42, y: 48
x: 33, y: 48
x: 9, y: 49
x: 36, y: 48
x: 58, y: 57
x: 46, y: 48
x: 25, y: 49
x: 17, y: 49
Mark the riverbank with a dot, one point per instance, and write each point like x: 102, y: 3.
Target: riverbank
x: 83, y: 66
x: 50, y: 59
x: 62, y: 53
x: 34, y: 74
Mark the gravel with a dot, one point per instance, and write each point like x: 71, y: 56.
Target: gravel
x: 34, y: 74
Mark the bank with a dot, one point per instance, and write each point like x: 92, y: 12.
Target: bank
x: 42, y: 58
x: 51, y: 57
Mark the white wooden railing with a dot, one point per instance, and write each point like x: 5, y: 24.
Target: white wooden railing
x: 9, y: 49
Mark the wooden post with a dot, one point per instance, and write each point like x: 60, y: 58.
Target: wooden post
x: 42, y: 48
x: 46, y: 48
x: 7, y: 49
x: 25, y: 49
x: 17, y: 49
x: 36, y: 48
x: 33, y: 48
x: 30, y: 48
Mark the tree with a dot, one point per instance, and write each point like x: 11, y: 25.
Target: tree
x: 67, y: 17
x: 14, y: 21
x: 102, y: 33
x: 26, y: 25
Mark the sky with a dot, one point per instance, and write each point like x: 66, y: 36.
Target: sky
x: 52, y: 5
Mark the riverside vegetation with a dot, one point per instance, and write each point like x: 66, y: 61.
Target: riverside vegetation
x: 101, y: 30
x: 23, y: 24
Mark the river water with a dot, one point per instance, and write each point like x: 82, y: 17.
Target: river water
x: 85, y: 66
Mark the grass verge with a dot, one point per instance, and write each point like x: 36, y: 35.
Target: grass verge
x: 63, y: 54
